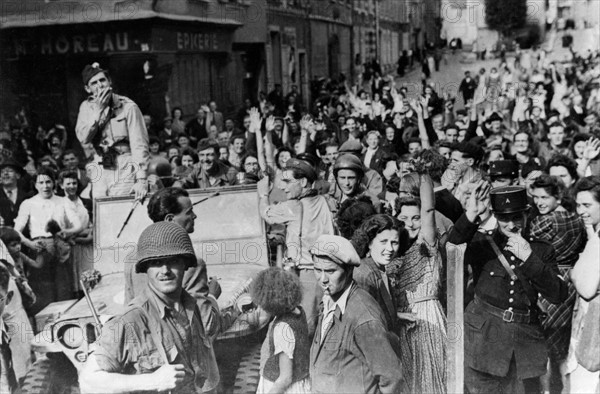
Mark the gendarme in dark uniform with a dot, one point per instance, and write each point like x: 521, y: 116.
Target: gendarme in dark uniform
x: 503, y: 335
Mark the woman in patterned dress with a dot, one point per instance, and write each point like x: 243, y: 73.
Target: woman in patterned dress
x: 564, y: 229
x: 415, y: 283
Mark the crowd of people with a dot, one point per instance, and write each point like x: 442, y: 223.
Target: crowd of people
x: 363, y: 191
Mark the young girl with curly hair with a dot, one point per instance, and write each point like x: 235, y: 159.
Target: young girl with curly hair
x: 284, y: 356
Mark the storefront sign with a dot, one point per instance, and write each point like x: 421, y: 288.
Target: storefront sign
x: 197, y: 41
x: 73, y: 44
x: 179, y: 40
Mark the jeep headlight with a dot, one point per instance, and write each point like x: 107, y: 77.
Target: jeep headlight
x: 71, y: 336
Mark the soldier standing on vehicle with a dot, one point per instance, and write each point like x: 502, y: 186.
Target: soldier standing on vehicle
x: 504, y: 341
x: 306, y: 216
x: 159, y: 343
x: 114, y: 126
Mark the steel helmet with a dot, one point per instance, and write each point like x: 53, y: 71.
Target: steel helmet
x: 160, y: 167
x: 163, y: 240
x: 349, y: 162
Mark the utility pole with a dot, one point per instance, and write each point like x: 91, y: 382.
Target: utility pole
x: 377, y: 39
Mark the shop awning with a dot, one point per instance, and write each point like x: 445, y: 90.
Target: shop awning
x: 29, y: 14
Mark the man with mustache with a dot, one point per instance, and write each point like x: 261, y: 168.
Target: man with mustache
x: 351, y: 350
x: 159, y: 343
x: 211, y: 172
x: 504, y: 342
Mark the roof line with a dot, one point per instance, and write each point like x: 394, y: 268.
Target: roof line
x: 32, y: 20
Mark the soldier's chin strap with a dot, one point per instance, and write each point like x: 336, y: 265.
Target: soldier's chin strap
x: 511, y: 272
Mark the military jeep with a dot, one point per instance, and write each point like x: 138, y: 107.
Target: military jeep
x: 229, y: 236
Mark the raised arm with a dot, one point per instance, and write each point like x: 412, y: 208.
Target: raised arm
x: 428, y: 229
x: 590, y: 152
x: 422, y: 128
x: 585, y: 275
x: 306, y: 127
x: 255, y: 122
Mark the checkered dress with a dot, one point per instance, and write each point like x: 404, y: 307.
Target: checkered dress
x: 566, y: 232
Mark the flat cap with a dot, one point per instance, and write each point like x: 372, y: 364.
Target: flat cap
x: 351, y: 146
x: 337, y: 249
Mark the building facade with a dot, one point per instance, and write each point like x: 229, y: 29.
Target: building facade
x: 162, y: 54
x: 287, y: 47
x: 183, y: 53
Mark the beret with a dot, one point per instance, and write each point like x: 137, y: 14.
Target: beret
x: 89, y: 71
x: 207, y: 143
x: 471, y: 149
x: 351, y: 146
x: 494, y: 117
x: 552, y: 114
x: 337, y: 249
x: 303, y: 167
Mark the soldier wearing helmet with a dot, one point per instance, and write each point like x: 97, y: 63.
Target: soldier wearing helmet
x: 159, y: 174
x: 348, y: 172
x: 159, y: 343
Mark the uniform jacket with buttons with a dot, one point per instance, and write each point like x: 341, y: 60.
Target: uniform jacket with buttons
x: 492, y: 282
x: 127, y: 346
x: 126, y: 122
x: 355, y: 355
x: 490, y: 342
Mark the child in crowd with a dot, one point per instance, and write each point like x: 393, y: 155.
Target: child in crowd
x: 284, y: 357
x: 14, y: 315
x: 12, y: 241
x: 8, y: 380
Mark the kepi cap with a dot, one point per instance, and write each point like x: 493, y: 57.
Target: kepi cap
x: 504, y: 167
x: 508, y: 199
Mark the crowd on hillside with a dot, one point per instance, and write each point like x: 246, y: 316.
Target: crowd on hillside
x: 387, y: 173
